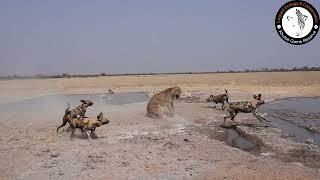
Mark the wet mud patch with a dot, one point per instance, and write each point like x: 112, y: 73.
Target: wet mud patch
x: 231, y: 136
x: 308, y: 156
x: 276, y: 144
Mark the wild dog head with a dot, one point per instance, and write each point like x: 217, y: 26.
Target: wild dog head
x: 257, y: 101
x: 102, y: 119
x: 86, y: 103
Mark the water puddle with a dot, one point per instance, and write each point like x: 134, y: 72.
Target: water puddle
x: 298, y: 117
x: 47, y: 103
x: 234, y: 139
x: 230, y: 136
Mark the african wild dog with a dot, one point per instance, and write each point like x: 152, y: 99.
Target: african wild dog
x: 221, y: 98
x: 110, y: 92
x: 78, y: 112
x: 89, y: 124
x: 234, y: 108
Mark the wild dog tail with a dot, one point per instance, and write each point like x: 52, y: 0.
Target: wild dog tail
x: 67, y: 109
x: 227, y: 95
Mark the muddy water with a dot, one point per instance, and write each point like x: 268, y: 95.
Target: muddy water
x: 47, y: 103
x: 298, y: 117
x: 236, y: 140
x: 230, y: 136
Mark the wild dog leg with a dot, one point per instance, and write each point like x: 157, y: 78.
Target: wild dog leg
x: 226, y: 117
x: 73, y: 129
x: 232, y: 115
x: 259, y: 117
x: 88, y: 135
x: 63, y: 124
x: 95, y: 134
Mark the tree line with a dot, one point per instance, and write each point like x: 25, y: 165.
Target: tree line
x: 67, y: 75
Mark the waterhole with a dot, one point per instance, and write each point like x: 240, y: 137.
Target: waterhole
x: 50, y: 102
x: 299, y: 118
x: 230, y: 136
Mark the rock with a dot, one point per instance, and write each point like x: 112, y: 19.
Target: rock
x: 170, y: 145
x: 61, y: 173
x: 186, y: 95
x: 267, y: 154
x: 312, y: 129
x: 55, y: 154
x: 186, y: 140
x: 46, y: 150
x: 309, y: 141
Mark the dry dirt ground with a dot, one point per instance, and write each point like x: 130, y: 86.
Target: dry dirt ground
x: 136, y: 147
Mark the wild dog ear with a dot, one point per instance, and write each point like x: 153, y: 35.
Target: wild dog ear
x: 88, y: 102
x: 100, y: 115
x: 83, y: 101
x: 259, y: 95
x: 255, y: 97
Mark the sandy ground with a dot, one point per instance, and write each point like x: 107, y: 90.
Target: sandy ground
x: 136, y: 147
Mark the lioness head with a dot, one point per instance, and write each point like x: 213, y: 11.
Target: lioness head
x: 176, y: 92
x: 86, y: 103
x: 102, y: 119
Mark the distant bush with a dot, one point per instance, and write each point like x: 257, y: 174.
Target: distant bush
x: 66, y: 75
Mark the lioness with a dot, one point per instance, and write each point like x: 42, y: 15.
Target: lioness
x: 162, y: 100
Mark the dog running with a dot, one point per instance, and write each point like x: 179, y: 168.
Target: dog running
x: 234, y: 108
x: 221, y: 99
x: 87, y: 124
x: 78, y: 112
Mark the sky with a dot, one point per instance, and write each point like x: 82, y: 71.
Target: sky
x: 145, y: 36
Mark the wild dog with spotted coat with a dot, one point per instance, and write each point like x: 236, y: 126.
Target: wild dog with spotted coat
x: 221, y: 98
x: 78, y: 112
x: 233, y: 108
x: 89, y: 124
